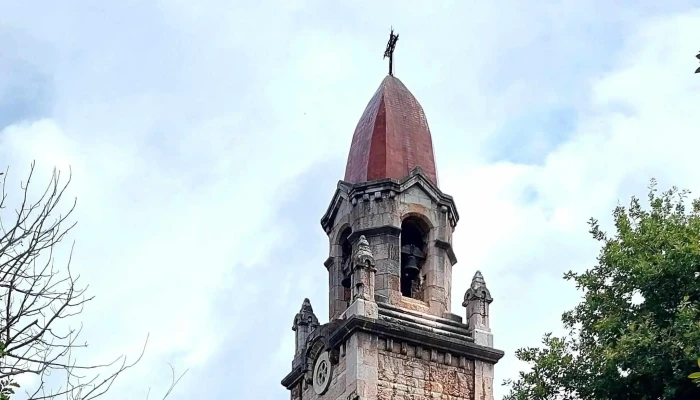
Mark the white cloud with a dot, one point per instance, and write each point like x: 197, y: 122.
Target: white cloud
x: 189, y: 133
x: 610, y: 157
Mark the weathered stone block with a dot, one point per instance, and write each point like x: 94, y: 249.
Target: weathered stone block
x: 362, y: 308
x: 482, y: 337
x: 380, y: 251
x: 393, y: 282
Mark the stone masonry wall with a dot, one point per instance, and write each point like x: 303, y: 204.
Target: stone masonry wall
x: 412, y: 373
x: 336, y: 391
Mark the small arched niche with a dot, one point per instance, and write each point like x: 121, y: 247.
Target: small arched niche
x: 414, y: 237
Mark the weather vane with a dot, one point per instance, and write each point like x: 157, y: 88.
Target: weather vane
x: 389, y: 52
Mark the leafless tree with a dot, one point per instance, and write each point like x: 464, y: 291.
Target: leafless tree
x: 36, y: 299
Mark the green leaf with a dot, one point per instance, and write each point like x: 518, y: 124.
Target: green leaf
x: 694, y: 375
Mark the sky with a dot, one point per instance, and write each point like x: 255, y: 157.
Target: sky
x: 206, y: 139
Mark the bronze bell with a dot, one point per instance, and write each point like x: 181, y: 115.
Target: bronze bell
x: 345, y: 282
x: 411, y: 269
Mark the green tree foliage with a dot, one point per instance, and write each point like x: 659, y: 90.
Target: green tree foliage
x: 695, y: 376
x: 636, y: 333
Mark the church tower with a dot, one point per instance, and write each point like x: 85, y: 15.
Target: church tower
x: 391, y: 332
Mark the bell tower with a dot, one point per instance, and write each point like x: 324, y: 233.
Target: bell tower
x: 391, y: 332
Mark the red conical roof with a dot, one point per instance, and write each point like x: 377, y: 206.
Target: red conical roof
x: 391, y: 138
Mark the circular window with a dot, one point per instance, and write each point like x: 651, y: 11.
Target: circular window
x: 322, y: 373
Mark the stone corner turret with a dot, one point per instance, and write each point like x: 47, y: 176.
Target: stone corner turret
x: 477, y: 301
x: 304, y: 323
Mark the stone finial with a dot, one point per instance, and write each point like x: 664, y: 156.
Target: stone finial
x: 477, y: 300
x: 364, y: 256
x: 305, y: 316
x: 477, y: 290
x: 304, y: 323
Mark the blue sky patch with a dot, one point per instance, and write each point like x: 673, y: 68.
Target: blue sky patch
x: 25, y: 92
x: 528, y: 138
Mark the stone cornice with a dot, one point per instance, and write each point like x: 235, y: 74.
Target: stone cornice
x: 414, y: 336
x: 412, y: 327
x: 333, y: 207
x: 328, y: 262
x: 293, y: 377
x: 367, y: 191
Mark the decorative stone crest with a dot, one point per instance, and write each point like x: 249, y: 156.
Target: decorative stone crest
x: 364, y: 256
x: 305, y: 316
x: 477, y: 290
x: 322, y: 373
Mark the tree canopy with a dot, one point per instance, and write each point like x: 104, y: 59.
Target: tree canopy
x: 636, y: 332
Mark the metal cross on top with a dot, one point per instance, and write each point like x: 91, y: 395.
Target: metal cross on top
x: 389, y: 52
x: 697, y: 71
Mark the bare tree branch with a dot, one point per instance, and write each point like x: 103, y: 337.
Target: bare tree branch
x: 37, y: 300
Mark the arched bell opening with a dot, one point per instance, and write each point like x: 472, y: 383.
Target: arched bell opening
x: 414, y: 235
